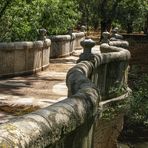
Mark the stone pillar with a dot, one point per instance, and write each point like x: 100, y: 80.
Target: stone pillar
x: 106, y: 36
x: 72, y: 36
x: 45, y: 50
x: 114, y: 31
x: 115, y: 36
x: 42, y: 34
x: 87, y: 45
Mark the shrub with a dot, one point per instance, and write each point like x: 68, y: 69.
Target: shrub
x: 138, y: 114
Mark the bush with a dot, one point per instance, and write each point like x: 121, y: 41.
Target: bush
x: 22, y: 18
x: 138, y: 114
x: 59, y: 15
x: 136, y: 120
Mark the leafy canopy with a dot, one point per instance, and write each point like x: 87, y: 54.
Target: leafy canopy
x: 21, y: 19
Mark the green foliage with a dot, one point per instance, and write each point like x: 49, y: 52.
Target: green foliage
x: 131, y: 14
x: 22, y: 18
x: 20, y: 21
x: 138, y: 114
x: 90, y: 15
x: 114, y: 109
x: 127, y: 14
x: 59, y: 15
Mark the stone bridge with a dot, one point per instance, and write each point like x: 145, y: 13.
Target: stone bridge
x: 92, y: 114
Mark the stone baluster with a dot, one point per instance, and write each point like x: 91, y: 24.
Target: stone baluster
x: 87, y: 45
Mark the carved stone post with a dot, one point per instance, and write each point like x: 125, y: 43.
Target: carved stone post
x: 42, y: 34
x: 115, y: 36
x: 87, y: 45
x: 114, y: 31
x: 106, y: 36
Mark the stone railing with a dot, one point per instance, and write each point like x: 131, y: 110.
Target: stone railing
x: 91, y: 116
x: 23, y: 57
x: 79, y: 36
x: 64, y: 45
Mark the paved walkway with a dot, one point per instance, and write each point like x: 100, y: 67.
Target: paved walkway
x: 21, y: 95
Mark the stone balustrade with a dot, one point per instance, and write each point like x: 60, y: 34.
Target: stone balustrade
x: 91, y: 116
x: 64, y: 45
x: 23, y: 57
x: 79, y: 36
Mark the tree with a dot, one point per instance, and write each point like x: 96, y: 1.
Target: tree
x: 131, y: 14
x: 99, y: 11
x: 21, y: 19
x: 59, y: 15
x: 128, y: 14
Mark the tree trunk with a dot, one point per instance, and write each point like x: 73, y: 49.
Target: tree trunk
x: 105, y: 26
x: 146, y: 25
x: 129, y: 28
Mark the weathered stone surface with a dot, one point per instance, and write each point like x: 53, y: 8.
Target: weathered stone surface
x: 46, y: 126
x: 106, y: 36
x: 119, y: 43
x: 23, y: 57
x: 64, y: 45
x: 115, y: 36
x: 75, y: 121
x: 7, y: 59
x: 79, y: 36
x: 60, y: 46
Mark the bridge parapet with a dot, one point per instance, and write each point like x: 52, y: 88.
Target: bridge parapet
x: 91, y: 116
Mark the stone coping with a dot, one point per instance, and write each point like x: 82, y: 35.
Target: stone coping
x: 24, y: 57
x: 24, y: 45
x: 67, y: 37
x: 119, y: 43
x: 60, y: 38
x: 113, y: 53
x: 79, y: 34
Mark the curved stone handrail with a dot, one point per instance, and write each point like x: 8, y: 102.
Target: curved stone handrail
x: 113, y: 52
x: 23, y: 57
x: 109, y: 68
x: 74, y: 121
x: 119, y: 43
x: 46, y: 126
